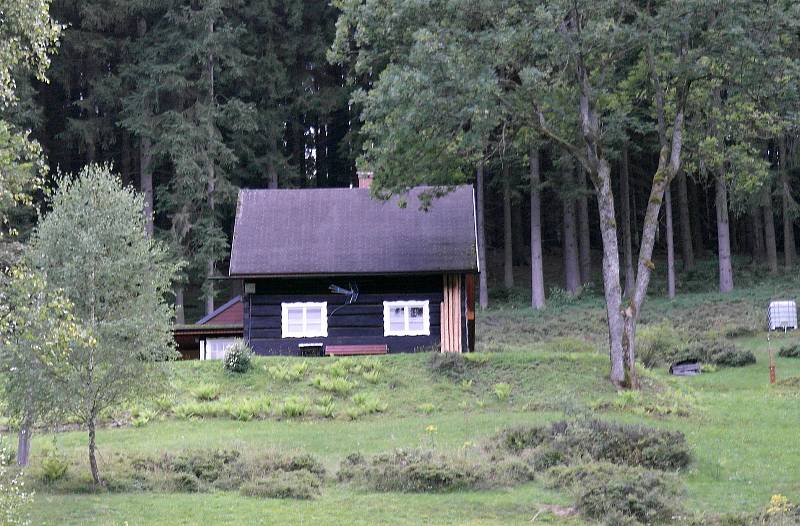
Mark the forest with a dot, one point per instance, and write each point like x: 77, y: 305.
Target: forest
x: 678, y: 123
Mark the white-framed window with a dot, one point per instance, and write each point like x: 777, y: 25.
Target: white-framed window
x: 406, y: 318
x: 214, y: 348
x: 304, y: 319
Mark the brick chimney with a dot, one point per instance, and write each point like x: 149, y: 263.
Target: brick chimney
x: 365, y: 179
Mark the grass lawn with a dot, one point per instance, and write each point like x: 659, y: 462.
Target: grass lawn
x: 742, y: 431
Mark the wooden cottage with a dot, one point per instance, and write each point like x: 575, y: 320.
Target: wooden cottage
x: 333, y: 271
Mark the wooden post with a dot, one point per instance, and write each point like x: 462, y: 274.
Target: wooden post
x: 451, y: 314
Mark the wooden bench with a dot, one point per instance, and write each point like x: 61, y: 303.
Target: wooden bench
x: 353, y: 350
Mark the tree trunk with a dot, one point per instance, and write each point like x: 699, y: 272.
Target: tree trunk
x: 769, y: 230
x: 211, y: 176
x: 125, y: 158
x: 508, y: 251
x: 789, y: 251
x: 483, y: 277
x: 518, y: 234
x: 697, y: 226
x: 611, y: 282
x: 24, y: 439
x: 625, y: 201
x: 687, y: 251
x: 584, y: 240
x: 272, y: 175
x: 93, y: 449
x: 146, y: 182
x: 180, y: 318
x: 758, y: 235
x: 572, y: 273
x: 723, y: 236
x: 670, y: 245
x: 537, y: 267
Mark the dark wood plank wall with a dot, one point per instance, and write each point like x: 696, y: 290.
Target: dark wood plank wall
x: 359, y: 323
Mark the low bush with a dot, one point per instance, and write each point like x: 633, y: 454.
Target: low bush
x: 717, y: 352
x: 655, y: 344
x: 294, y: 406
x: 299, y: 484
x: 564, y: 442
x: 338, y: 384
x: 409, y: 471
x: 201, y: 410
x: 202, y: 470
x: 369, y: 403
x: 289, y: 373
x: 621, y: 495
x: 206, y: 392
x: 327, y: 410
x: 249, y: 408
x: 342, y: 367
x: 54, y: 467
x: 502, y: 391
x: 790, y: 351
x: 238, y: 357
x: 372, y: 377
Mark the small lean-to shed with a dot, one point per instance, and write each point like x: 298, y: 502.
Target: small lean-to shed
x: 210, y: 336
x: 335, y: 271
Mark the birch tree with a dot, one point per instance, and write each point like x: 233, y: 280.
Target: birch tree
x: 93, y: 246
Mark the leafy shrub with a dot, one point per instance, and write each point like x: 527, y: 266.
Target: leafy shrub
x: 620, y: 494
x: 238, y: 357
x: 325, y: 406
x: 199, y: 470
x: 289, y: 373
x: 502, y: 391
x: 448, y: 364
x: 299, y: 484
x: 206, y: 392
x: 141, y: 417
x: 189, y: 470
x: 248, y: 409
x: 718, y: 352
x: 656, y: 343
x: 628, y: 444
x: 338, y: 384
x: 371, y: 376
x: 342, y: 367
x: 369, y: 403
x: 294, y: 406
x: 201, y: 410
x: 790, y: 351
x: 164, y: 403
x: 54, y: 467
x: 183, y: 482
x: 409, y: 471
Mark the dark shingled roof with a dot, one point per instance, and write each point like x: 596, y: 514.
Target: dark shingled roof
x: 344, y: 231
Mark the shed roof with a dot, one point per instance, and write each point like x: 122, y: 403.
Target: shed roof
x: 345, y: 231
